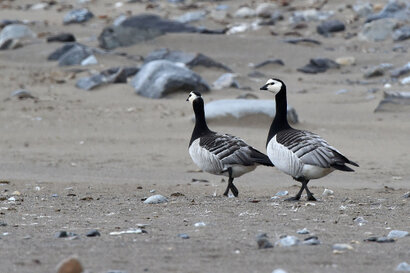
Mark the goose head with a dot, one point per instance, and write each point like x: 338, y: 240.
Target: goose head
x: 273, y: 85
x: 193, y: 96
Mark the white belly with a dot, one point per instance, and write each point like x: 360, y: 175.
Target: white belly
x: 208, y: 162
x: 286, y: 161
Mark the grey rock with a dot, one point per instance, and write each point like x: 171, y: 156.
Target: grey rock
x: 394, y: 101
x: 406, y: 195
x: 189, y: 59
x: 70, y: 54
x: 192, y: 16
x: 13, y: 32
x: 397, y: 234
x: 77, y: 16
x: 360, y: 220
x: 11, y: 44
x: 156, y: 199
x: 342, y: 247
x: 380, y: 240
x: 240, y: 108
x: 402, y: 33
x: 265, y: 10
x: 310, y: 15
x: 61, y: 37
x: 112, y: 75
x: 157, y: 79
x: 22, y: 94
x: 378, y: 70
x: 379, y: 30
x: 263, y: 241
x: 279, y: 270
x: 313, y: 240
x: 303, y: 231
x: 282, y: 193
x: 245, y: 12
x: 269, y: 62
x: 93, y: 233
x: 403, y: 267
x: 227, y: 80
x: 64, y: 234
x: 307, y: 41
x: 330, y: 26
x: 144, y: 27
x: 363, y: 9
x: 3, y: 224
x: 6, y: 22
x: 90, y: 60
x: 394, y: 9
x: 288, y: 241
x: 318, y: 65
x: 183, y: 236
x: 395, y: 73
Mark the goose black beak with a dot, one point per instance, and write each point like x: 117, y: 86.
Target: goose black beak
x: 265, y: 87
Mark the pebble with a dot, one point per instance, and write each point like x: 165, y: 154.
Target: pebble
x: 77, y: 16
x: 93, y: 233
x: 270, y: 62
x: 395, y: 73
x: 303, y: 231
x: 64, y: 234
x: 330, y: 26
x: 22, y: 94
x: 403, y: 267
x: 263, y: 242
x: 406, y: 195
x: 318, y: 65
x: 227, y: 80
x: 70, y: 265
x: 287, y: 241
x: 200, y: 224
x: 279, y: 270
x: 245, y: 12
x: 401, y: 34
x: 405, y: 80
x: 342, y: 247
x: 90, y: 60
x: 183, y: 236
x: 156, y: 199
x: 3, y: 224
x: 378, y: 70
x: 377, y: 31
x: 346, y: 60
x: 282, y: 193
x: 360, y: 221
x: 313, y: 240
x: 265, y: 10
x: 61, y: 37
x: 328, y: 192
x: 397, y: 234
x: 302, y: 41
x: 12, y: 32
x: 129, y: 231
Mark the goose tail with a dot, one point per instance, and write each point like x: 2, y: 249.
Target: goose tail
x: 261, y: 158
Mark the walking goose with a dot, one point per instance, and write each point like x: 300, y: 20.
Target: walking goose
x: 221, y: 154
x: 300, y: 154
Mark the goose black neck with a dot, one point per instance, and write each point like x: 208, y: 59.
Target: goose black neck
x: 280, y: 122
x: 201, y: 128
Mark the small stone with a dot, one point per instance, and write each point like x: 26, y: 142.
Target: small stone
x: 328, y: 192
x: 330, y: 26
x: 90, y: 60
x: 379, y: 30
x: 77, y: 16
x: 192, y: 16
x: 303, y: 231
x: 406, y: 195
x: 397, y: 234
x: 200, y: 224
x: 130, y: 231
x: 183, y: 236
x: 385, y: 240
x: 318, y: 65
x: 64, y: 234
x: 360, y: 221
x: 378, y: 70
x: 405, y: 80
x: 305, y: 41
x: 313, y: 240
x: 400, y: 71
x: 262, y: 241
x: 265, y: 10
x: 346, y: 61
x: 93, y: 233
x: 279, y: 270
x: 403, y: 267
x: 156, y: 199
x: 270, y: 62
x: 3, y: 224
x: 62, y: 37
x: 394, y: 101
x: 401, y: 34
x: 310, y: 15
x: 70, y: 265
x: 288, y: 241
x: 22, y: 94
x: 227, y: 80
x: 282, y: 193
x: 245, y: 12
x: 363, y: 9
x: 342, y: 247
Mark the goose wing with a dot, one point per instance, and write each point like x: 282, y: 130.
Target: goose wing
x: 231, y: 150
x: 311, y: 149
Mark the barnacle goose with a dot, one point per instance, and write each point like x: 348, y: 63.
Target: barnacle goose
x: 220, y: 154
x: 300, y: 154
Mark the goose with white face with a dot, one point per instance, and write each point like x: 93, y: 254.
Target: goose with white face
x: 193, y: 96
x: 272, y: 85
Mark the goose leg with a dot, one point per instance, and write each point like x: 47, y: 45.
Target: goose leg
x: 231, y: 186
x: 298, y: 195
x: 310, y: 196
